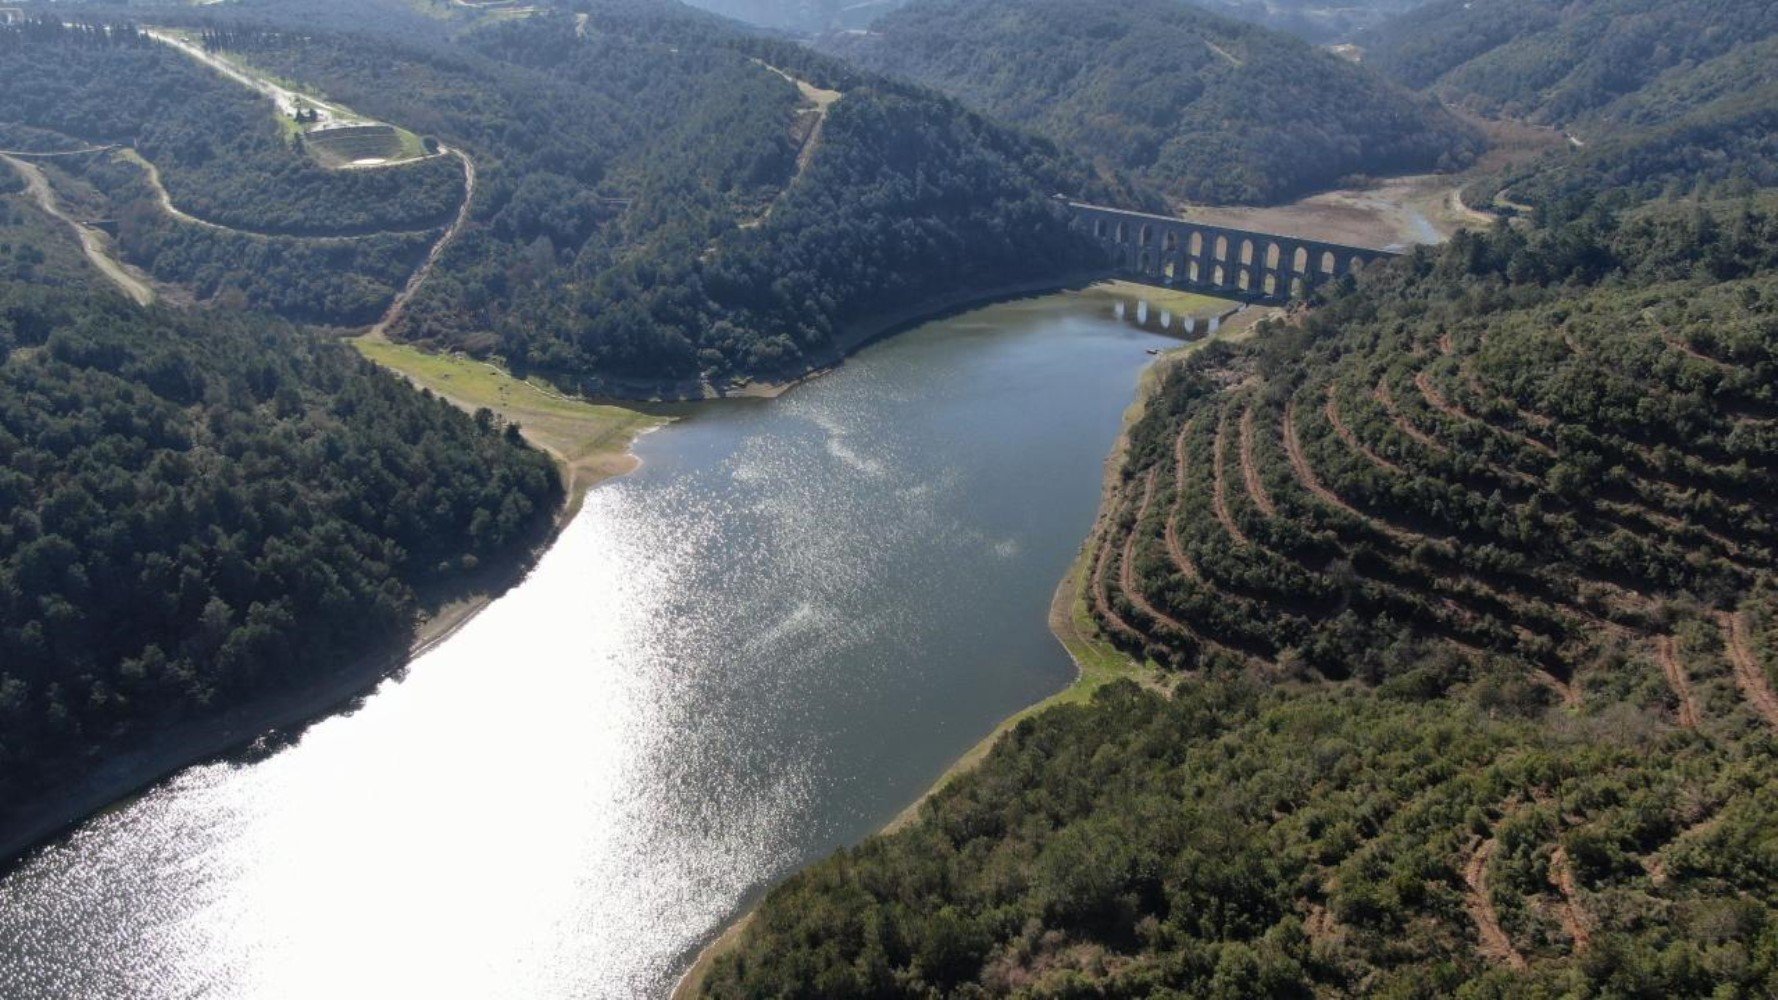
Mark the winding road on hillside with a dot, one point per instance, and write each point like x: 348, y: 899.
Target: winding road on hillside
x: 449, y: 236
x: 93, y: 242
x: 288, y: 101
x: 165, y: 200
x: 821, y: 100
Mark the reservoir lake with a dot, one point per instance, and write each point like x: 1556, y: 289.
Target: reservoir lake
x: 755, y: 650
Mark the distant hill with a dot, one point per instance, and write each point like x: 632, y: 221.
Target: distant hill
x: 805, y: 17
x: 1315, y: 20
x: 663, y: 203
x: 660, y: 205
x: 1707, y: 128
x: 1209, y: 108
x: 1554, y: 61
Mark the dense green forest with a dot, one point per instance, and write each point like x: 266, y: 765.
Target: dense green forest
x: 658, y: 203
x: 1554, y: 61
x: 1725, y: 148
x: 265, y: 225
x: 199, y: 510
x: 1703, y: 129
x: 1209, y: 108
x: 1470, y: 572
x: 220, y: 148
x: 1316, y: 20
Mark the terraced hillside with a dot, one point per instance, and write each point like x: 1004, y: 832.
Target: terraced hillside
x: 1466, y: 579
x: 1537, y: 479
x: 1549, y: 498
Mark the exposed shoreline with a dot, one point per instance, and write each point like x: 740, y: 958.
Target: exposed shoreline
x: 1095, y: 663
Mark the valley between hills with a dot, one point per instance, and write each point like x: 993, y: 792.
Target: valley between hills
x: 636, y: 448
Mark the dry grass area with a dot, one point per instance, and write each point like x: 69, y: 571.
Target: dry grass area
x: 1422, y: 208
x: 590, y: 441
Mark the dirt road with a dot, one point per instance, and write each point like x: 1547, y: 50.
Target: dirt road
x: 445, y: 239
x: 95, y: 244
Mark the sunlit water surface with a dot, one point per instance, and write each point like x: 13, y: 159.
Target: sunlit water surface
x: 750, y: 653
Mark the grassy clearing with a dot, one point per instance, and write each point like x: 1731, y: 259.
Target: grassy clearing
x: 590, y: 441
x: 411, y: 146
x: 339, y: 147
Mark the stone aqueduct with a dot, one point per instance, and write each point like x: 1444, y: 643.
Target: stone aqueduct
x: 1165, y: 250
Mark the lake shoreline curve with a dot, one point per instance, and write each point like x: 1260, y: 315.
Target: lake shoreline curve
x: 240, y: 728
x: 1091, y: 671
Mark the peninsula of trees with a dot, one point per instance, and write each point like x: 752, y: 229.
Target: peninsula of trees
x: 203, y: 510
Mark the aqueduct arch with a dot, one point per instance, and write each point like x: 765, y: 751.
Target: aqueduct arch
x: 1180, y: 252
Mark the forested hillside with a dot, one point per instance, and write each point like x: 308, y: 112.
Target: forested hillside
x: 1209, y: 108
x: 201, y: 510
x: 1316, y: 20
x: 660, y: 203
x: 1321, y: 21
x: 804, y: 17
x: 1470, y: 573
x: 34, y: 248
x: 262, y: 223
x: 1554, y: 61
x: 1702, y: 129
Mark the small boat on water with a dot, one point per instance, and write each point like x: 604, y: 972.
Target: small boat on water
x: 1154, y: 350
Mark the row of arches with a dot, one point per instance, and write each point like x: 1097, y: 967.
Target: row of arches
x: 1253, y: 264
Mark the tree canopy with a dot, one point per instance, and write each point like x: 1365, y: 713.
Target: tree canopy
x: 1208, y: 108
x: 200, y: 510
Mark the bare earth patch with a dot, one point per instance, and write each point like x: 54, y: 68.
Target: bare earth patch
x: 1494, y: 945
